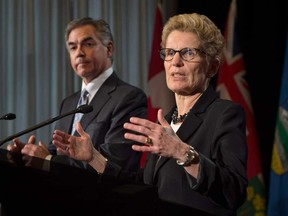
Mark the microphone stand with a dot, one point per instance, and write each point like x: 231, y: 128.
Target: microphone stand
x: 82, y: 109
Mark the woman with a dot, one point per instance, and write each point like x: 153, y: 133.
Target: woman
x: 198, y: 152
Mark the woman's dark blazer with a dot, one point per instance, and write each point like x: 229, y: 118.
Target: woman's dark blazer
x: 216, y: 129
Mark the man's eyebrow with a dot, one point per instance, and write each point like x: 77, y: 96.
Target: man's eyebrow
x: 82, y: 41
x: 87, y: 39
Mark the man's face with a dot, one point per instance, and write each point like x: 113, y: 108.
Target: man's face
x: 88, y: 56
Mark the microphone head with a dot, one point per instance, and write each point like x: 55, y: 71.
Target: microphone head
x: 8, y: 116
x: 84, y: 109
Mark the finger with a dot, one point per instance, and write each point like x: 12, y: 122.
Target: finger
x: 80, y: 130
x: 42, y: 145
x: 61, y: 136
x: 61, y: 151
x: 60, y: 145
x: 56, y: 143
x: 17, y: 142
x: 10, y: 147
x: 59, y: 133
x: 25, y: 149
x: 136, y: 138
x: 149, y: 141
x: 137, y: 128
x: 143, y: 122
x: 142, y: 148
x: 32, y: 139
x: 161, y: 118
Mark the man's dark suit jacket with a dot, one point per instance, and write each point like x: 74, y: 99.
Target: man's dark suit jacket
x: 216, y: 129
x: 113, y: 105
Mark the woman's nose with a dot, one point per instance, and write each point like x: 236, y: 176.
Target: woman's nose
x: 177, y: 60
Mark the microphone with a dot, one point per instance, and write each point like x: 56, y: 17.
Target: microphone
x: 81, y: 109
x: 8, y: 116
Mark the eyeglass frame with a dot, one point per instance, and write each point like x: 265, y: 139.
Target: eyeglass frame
x: 179, y: 51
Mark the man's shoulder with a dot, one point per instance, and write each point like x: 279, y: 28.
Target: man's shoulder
x: 126, y: 86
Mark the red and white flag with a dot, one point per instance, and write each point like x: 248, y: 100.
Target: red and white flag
x: 231, y: 84
x: 159, y: 96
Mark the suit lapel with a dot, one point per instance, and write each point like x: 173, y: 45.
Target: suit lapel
x: 100, y: 99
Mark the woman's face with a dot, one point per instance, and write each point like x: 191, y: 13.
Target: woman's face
x: 185, y: 77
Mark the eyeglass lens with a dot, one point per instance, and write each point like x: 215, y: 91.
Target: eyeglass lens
x: 187, y: 54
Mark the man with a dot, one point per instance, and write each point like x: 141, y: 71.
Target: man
x: 90, y: 46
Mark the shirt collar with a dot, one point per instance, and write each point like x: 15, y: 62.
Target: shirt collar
x: 93, y: 86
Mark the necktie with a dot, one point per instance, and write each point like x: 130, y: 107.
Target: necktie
x: 83, y: 100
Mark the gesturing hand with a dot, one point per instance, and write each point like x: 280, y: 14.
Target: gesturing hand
x: 162, y: 140
x: 79, y: 148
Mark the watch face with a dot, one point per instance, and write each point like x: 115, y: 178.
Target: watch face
x: 190, y: 156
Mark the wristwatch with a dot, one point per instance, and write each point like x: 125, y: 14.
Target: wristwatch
x: 190, y: 157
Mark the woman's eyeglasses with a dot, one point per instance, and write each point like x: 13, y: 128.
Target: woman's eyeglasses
x: 187, y: 54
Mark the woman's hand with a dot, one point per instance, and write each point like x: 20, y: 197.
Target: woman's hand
x: 158, y: 138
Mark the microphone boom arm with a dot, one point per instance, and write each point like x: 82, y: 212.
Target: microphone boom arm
x: 81, y: 109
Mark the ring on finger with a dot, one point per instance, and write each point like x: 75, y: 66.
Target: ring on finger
x: 149, y: 141
x: 66, y: 148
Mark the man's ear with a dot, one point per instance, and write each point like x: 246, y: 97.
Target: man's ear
x: 110, y: 49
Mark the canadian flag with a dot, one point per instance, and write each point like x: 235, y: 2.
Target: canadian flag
x: 159, y: 96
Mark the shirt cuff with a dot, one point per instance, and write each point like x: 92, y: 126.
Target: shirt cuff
x: 46, y: 164
x: 48, y: 157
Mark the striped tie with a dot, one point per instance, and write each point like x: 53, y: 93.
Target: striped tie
x: 83, y: 100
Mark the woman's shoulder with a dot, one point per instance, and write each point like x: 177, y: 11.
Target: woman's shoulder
x: 228, y: 105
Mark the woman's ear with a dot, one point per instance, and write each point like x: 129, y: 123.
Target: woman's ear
x: 214, y: 68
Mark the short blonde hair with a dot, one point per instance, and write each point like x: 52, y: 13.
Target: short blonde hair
x: 210, y: 36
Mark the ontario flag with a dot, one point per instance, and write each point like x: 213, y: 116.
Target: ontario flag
x: 232, y: 85
x: 159, y: 96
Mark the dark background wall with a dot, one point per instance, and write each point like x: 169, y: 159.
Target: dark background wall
x: 262, y: 30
